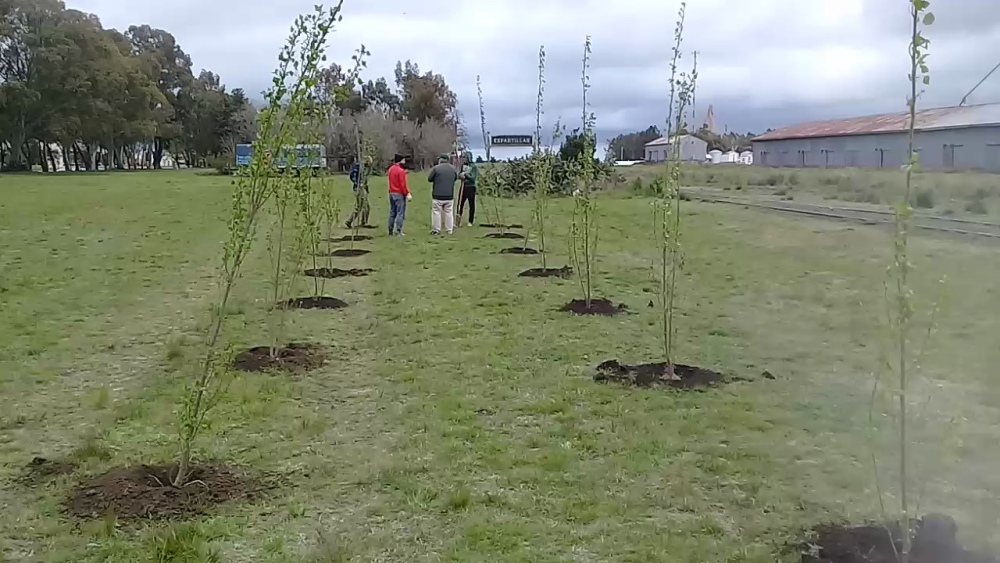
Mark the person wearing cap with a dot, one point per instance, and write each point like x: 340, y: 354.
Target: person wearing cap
x: 359, y: 177
x: 442, y: 178
x: 399, y: 194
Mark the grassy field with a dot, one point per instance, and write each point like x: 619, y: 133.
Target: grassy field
x: 456, y: 418
x: 967, y: 195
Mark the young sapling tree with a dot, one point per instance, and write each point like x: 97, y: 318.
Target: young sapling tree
x: 901, y: 292
x: 366, y: 154
x: 343, y: 93
x: 253, y: 191
x: 330, y: 218
x: 490, y: 183
x: 667, y: 206
x: 583, y: 227
x: 541, y: 165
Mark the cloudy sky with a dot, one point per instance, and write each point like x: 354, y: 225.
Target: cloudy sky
x: 762, y: 64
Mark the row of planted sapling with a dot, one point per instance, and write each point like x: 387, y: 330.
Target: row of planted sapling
x: 295, y: 207
x: 365, y: 153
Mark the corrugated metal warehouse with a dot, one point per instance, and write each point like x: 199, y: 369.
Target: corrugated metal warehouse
x: 952, y: 138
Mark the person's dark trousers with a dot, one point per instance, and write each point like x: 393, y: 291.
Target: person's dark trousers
x: 468, y: 195
x: 397, y: 212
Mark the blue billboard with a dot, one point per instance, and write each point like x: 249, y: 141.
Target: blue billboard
x: 300, y: 156
x: 244, y: 154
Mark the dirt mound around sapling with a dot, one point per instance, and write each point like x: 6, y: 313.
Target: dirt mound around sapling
x: 648, y: 375
x: 565, y: 272
x: 601, y: 307
x: 331, y: 273
x: 348, y: 253
x: 506, y: 236
x: 519, y: 250
x: 294, y: 358
x: 145, y: 492
x: 497, y: 226
x: 315, y: 303
x: 358, y: 238
x: 41, y: 469
x: 934, y: 541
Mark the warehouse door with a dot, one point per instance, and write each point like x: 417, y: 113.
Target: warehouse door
x: 992, y: 160
x: 949, y: 157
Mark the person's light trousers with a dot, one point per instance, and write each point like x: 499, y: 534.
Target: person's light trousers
x: 445, y: 208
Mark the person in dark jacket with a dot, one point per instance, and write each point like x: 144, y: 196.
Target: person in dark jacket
x: 359, y: 177
x: 443, y: 178
x: 470, y: 176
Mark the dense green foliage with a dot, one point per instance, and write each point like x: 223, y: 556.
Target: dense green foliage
x: 108, y: 98
x: 517, y: 175
x: 77, y: 96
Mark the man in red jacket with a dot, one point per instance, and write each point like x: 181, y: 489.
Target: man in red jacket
x: 399, y: 194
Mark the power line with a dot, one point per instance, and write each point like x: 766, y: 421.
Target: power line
x: 978, y: 84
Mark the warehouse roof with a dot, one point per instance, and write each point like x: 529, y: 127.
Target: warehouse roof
x: 927, y: 120
x: 664, y: 141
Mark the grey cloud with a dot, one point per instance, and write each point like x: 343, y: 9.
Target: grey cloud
x: 779, y: 62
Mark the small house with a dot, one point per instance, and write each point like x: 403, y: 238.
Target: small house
x: 692, y: 149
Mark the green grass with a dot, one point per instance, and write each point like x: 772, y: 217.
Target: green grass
x: 969, y: 195
x: 456, y: 419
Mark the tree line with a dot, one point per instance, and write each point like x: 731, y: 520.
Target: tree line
x: 109, y: 99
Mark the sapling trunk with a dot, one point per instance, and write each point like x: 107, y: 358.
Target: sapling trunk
x: 541, y: 172
x: 277, y: 241
x: 583, y: 228
x: 901, y: 265
x: 489, y: 182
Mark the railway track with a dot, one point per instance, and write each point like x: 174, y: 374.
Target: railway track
x: 946, y: 225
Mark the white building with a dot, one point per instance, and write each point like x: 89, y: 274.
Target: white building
x: 692, y: 149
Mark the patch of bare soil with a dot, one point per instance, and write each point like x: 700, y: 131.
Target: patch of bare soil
x: 601, y: 307
x: 348, y: 238
x: 496, y: 226
x: 565, y: 272
x: 295, y: 357
x: 331, y: 273
x: 506, y: 236
x: 145, y: 492
x: 315, y: 303
x: 934, y: 541
x: 648, y: 375
x: 519, y: 250
x: 41, y: 469
x: 368, y: 227
x: 348, y: 253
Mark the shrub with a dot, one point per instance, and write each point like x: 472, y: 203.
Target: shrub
x: 637, y: 186
x: 924, y: 199
x: 223, y: 164
x: 977, y: 207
